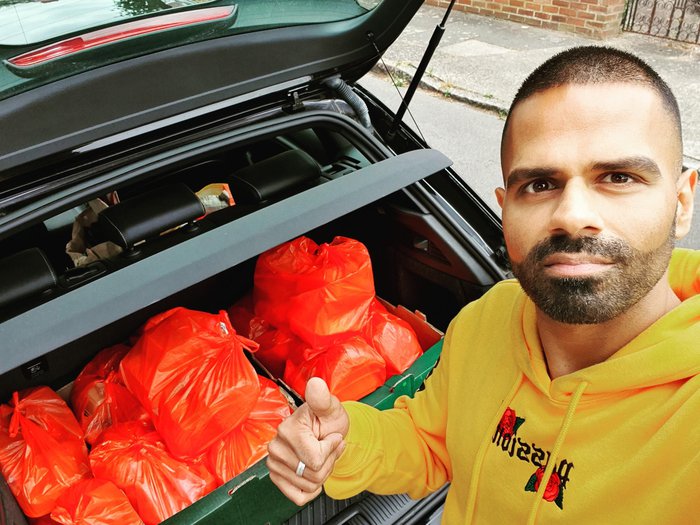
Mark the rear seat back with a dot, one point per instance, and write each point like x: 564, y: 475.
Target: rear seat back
x: 28, y: 273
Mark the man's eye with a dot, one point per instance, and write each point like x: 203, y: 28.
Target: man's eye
x: 538, y: 186
x: 618, y: 178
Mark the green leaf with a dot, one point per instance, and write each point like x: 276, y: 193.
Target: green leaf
x: 560, y: 498
x: 518, y: 421
x: 530, y: 487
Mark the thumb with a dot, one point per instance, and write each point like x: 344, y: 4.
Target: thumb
x: 327, y: 414
x: 319, y: 398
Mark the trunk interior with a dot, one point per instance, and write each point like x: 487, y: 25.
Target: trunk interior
x: 419, y: 259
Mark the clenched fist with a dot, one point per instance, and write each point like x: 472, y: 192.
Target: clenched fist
x: 307, y: 444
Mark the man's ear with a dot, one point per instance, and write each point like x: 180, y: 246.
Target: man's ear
x: 684, y: 210
x: 500, y: 196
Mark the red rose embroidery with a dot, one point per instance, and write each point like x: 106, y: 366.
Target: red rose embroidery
x: 507, y: 424
x: 553, y: 485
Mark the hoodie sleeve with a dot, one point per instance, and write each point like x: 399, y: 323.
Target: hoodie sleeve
x: 684, y: 273
x: 398, y: 450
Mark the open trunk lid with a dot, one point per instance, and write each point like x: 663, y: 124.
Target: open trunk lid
x: 58, y: 106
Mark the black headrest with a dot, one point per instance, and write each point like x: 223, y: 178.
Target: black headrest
x: 275, y: 176
x: 148, y: 215
x: 24, y: 274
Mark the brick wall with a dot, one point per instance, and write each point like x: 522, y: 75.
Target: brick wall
x: 592, y: 18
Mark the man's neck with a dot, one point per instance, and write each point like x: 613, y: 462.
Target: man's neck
x: 571, y: 347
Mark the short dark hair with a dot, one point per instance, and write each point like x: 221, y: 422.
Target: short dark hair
x: 596, y: 65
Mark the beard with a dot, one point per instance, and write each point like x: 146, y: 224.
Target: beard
x: 598, y: 298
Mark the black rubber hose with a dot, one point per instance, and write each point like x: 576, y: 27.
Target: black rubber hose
x: 346, y: 93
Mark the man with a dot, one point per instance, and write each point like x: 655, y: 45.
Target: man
x: 573, y: 394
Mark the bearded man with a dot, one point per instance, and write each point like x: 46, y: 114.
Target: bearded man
x: 571, y: 394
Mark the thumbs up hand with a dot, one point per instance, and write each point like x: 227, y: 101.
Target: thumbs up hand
x: 307, y: 444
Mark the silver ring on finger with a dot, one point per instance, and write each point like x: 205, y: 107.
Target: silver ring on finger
x: 300, y: 469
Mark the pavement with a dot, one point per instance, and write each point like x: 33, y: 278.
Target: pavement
x: 482, y: 61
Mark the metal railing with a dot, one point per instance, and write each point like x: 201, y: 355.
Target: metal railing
x: 673, y: 19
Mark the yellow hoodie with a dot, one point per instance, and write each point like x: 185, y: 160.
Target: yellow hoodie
x: 621, y: 439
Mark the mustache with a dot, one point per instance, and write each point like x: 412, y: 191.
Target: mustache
x: 611, y: 248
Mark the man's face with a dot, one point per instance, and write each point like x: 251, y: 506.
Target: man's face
x: 593, y: 199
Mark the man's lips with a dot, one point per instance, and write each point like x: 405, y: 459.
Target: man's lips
x: 575, y: 264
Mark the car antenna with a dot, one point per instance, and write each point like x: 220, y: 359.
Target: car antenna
x: 427, y: 56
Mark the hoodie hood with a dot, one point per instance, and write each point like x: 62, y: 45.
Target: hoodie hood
x: 684, y: 273
x: 666, y: 351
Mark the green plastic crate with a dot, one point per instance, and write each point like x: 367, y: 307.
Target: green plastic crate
x: 252, y: 499
x: 405, y: 384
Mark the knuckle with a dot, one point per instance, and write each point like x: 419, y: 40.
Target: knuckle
x: 273, y: 448
x: 309, y: 487
x: 283, y: 426
x: 315, y: 463
x: 316, y: 478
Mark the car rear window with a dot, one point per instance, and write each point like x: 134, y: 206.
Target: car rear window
x: 26, y: 22
x: 44, y: 40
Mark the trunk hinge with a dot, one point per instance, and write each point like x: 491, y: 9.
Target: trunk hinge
x: 295, y: 103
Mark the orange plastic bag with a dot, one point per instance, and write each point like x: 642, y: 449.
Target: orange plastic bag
x: 94, y: 502
x: 318, y: 291
x: 99, y: 397
x: 351, y: 368
x: 189, y: 370
x: 157, y: 484
x: 247, y: 443
x: 393, y: 338
x: 42, y: 451
x: 276, y: 345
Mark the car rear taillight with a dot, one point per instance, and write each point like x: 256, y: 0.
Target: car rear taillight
x: 120, y: 32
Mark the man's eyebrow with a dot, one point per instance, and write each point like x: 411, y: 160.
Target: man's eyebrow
x: 639, y: 164
x: 524, y: 174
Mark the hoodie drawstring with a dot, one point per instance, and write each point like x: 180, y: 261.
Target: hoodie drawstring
x: 575, y: 398
x: 481, y: 453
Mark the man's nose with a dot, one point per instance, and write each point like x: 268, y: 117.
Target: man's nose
x: 576, y: 211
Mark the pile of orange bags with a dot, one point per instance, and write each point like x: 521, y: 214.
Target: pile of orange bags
x: 42, y: 451
x: 168, y: 421
x: 314, y: 313
x: 184, y: 410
